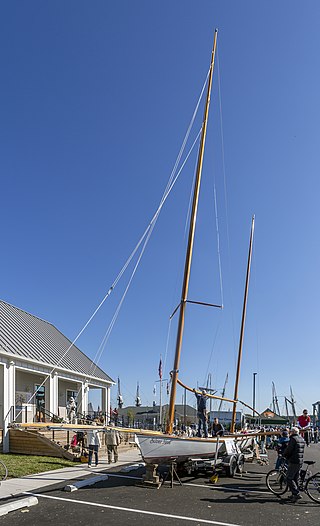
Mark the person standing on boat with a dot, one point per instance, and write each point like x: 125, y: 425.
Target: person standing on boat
x: 202, y: 412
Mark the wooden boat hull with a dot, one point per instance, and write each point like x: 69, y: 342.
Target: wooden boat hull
x: 162, y: 449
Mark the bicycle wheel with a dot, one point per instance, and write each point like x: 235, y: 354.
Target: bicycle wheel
x: 276, y: 482
x: 313, y: 488
x: 3, y: 471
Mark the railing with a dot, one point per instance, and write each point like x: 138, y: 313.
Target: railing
x: 30, y: 413
x: 53, y: 417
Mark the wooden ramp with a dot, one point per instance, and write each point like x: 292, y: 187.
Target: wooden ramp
x: 33, y: 443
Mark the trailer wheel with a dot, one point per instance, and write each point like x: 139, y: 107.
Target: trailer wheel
x: 232, y: 467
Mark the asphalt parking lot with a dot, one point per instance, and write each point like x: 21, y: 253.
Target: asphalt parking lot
x: 239, y: 501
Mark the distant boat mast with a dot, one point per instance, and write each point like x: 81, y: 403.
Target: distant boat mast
x: 119, y: 397
x: 138, y: 399
x: 243, y: 321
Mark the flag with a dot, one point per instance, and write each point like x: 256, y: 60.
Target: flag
x: 160, y: 369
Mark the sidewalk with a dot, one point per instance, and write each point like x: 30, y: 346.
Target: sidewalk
x: 14, y: 487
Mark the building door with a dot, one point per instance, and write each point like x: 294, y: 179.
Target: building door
x: 40, y: 402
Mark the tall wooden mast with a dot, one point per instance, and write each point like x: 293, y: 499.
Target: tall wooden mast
x: 188, y: 260
x: 244, y: 310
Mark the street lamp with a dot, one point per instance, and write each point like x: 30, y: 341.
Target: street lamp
x: 254, y: 393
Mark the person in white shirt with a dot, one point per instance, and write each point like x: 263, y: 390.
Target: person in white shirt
x: 93, y: 443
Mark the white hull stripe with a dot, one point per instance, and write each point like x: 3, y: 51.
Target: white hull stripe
x: 131, y: 510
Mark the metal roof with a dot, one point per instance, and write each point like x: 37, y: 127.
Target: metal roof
x: 27, y: 336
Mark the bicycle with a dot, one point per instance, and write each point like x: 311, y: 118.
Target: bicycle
x: 3, y: 471
x: 309, y: 483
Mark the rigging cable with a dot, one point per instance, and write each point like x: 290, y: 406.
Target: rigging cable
x: 99, y: 353
x: 217, y: 229
x: 147, y: 234
x: 172, y: 180
x: 167, y: 345
x: 226, y: 201
x: 178, y: 266
x: 218, y: 242
x: 220, y: 276
x: 151, y: 225
x: 255, y: 274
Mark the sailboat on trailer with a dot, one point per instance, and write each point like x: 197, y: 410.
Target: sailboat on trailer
x: 160, y: 448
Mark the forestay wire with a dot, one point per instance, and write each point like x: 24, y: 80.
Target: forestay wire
x: 220, y: 277
x: 145, y: 236
x: 225, y: 199
x: 216, y: 216
x: 99, y: 353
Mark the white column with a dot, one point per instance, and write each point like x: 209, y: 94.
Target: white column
x: 84, y: 397
x: 9, y: 389
x: 53, y: 393
x: 108, y: 401
x: 104, y: 396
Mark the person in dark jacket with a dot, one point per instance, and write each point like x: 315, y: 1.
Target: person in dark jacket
x: 217, y: 428
x: 202, y: 412
x: 294, y: 455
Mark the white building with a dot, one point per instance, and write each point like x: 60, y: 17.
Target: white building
x: 34, y: 353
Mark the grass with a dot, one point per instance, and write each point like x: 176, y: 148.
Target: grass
x: 22, y: 465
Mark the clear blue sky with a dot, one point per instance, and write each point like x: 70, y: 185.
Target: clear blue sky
x: 95, y: 101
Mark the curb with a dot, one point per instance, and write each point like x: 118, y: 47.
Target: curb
x: 86, y: 482
x: 17, y: 504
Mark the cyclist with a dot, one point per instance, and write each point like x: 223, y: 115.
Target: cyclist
x: 294, y: 455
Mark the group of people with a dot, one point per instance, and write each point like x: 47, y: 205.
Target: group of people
x: 290, y: 445
x: 93, y: 444
x: 112, y: 440
x: 291, y: 449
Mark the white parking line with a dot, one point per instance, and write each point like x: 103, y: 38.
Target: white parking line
x: 143, y: 512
